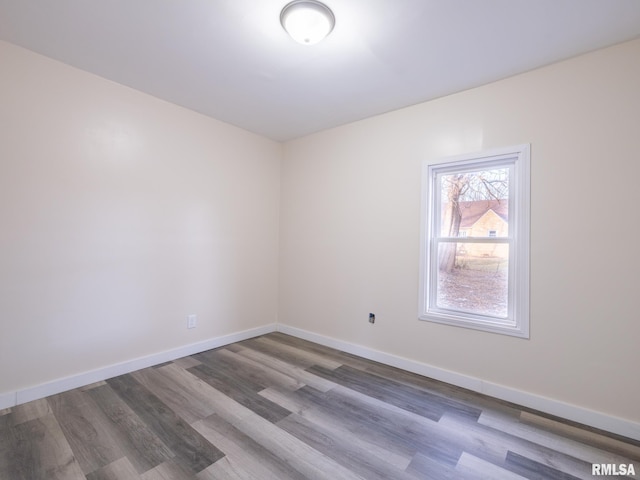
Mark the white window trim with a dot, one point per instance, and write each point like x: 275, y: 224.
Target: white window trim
x: 517, y: 323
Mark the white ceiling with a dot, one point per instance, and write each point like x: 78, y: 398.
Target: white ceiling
x: 231, y: 60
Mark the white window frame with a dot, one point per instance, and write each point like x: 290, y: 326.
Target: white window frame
x: 517, y: 321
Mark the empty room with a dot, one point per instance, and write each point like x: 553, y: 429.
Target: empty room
x: 365, y: 239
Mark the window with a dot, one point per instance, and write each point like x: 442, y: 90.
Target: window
x: 474, y: 268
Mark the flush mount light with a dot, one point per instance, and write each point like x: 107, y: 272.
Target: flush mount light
x: 307, y: 21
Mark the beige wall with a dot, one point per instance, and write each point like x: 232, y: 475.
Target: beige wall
x: 120, y: 214
x: 349, y: 238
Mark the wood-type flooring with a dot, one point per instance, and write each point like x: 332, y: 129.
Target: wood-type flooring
x: 275, y: 408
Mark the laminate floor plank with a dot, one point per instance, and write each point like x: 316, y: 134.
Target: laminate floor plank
x: 289, y: 354
x: 391, y: 429
x: 31, y: 411
x: 226, y: 469
x: 178, y: 393
x: 268, y: 349
x: 581, y: 435
x: 277, y: 407
x: 554, y: 443
x: 190, y: 448
x: 118, y: 470
x: 37, y: 450
x: 169, y: 470
x: 444, y: 390
x: 91, y: 386
x: 239, y: 391
x: 246, y: 457
x: 87, y: 429
x: 359, y: 420
x: 338, y: 356
x: 340, y: 429
x: 286, y: 399
x: 234, y: 347
x: 253, y: 371
x: 164, y: 364
x: 483, y: 442
x: 535, y: 471
x: 426, y: 468
x: 6, y: 419
x: 186, y: 362
x: 403, y: 396
x: 216, y: 400
x: 475, y: 468
x: 346, y: 451
x: 301, y: 456
x: 139, y: 444
x: 189, y: 396
x: 453, y: 429
x: 284, y: 446
x: 402, y: 428
x: 285, y: 368
x: 217, y: 364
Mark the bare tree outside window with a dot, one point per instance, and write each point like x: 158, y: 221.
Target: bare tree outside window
x: 474, y: 276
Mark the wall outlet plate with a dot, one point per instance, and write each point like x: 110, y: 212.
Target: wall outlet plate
x: 192, y: 320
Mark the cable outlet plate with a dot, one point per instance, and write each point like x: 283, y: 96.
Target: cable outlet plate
x: 192, y: 320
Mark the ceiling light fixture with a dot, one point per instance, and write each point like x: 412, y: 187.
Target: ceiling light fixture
x: 307, y: 21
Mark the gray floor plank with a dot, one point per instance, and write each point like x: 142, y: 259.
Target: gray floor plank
x: 389, y: 391
x: 534, y: 470
x: 190, y: 448
x: 118, y: 470
x: 170, y: 386
x: 337, y: 356
x: 31, y: 411
x: 344, y: 450
x: 562, y: 431
x: 252, y: 370
x: 377, y: 446
x: 424, y: 467
x: 288, y: 369
x: 245, y: 393
x: 169, y: 470
x: 37, y: 450
x: 227, y: 469
x: 6, y: 419
x: 87, y: 430
x: 245, y: 457
x: 140, y: 445
x: 478, y: 469
x: 289, y: 354
x: 392, y: 429
x: 546, y: 448
x: 301, y: 456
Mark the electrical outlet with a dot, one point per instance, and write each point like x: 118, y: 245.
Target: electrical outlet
x: 192, y: 320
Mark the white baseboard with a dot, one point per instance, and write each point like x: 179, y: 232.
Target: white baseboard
x: 11, y: 399
x: 7, y: 400
x: 609, y: 423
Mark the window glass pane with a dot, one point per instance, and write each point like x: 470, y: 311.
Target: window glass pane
x: 475, y: 204
x: 473, y: 278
